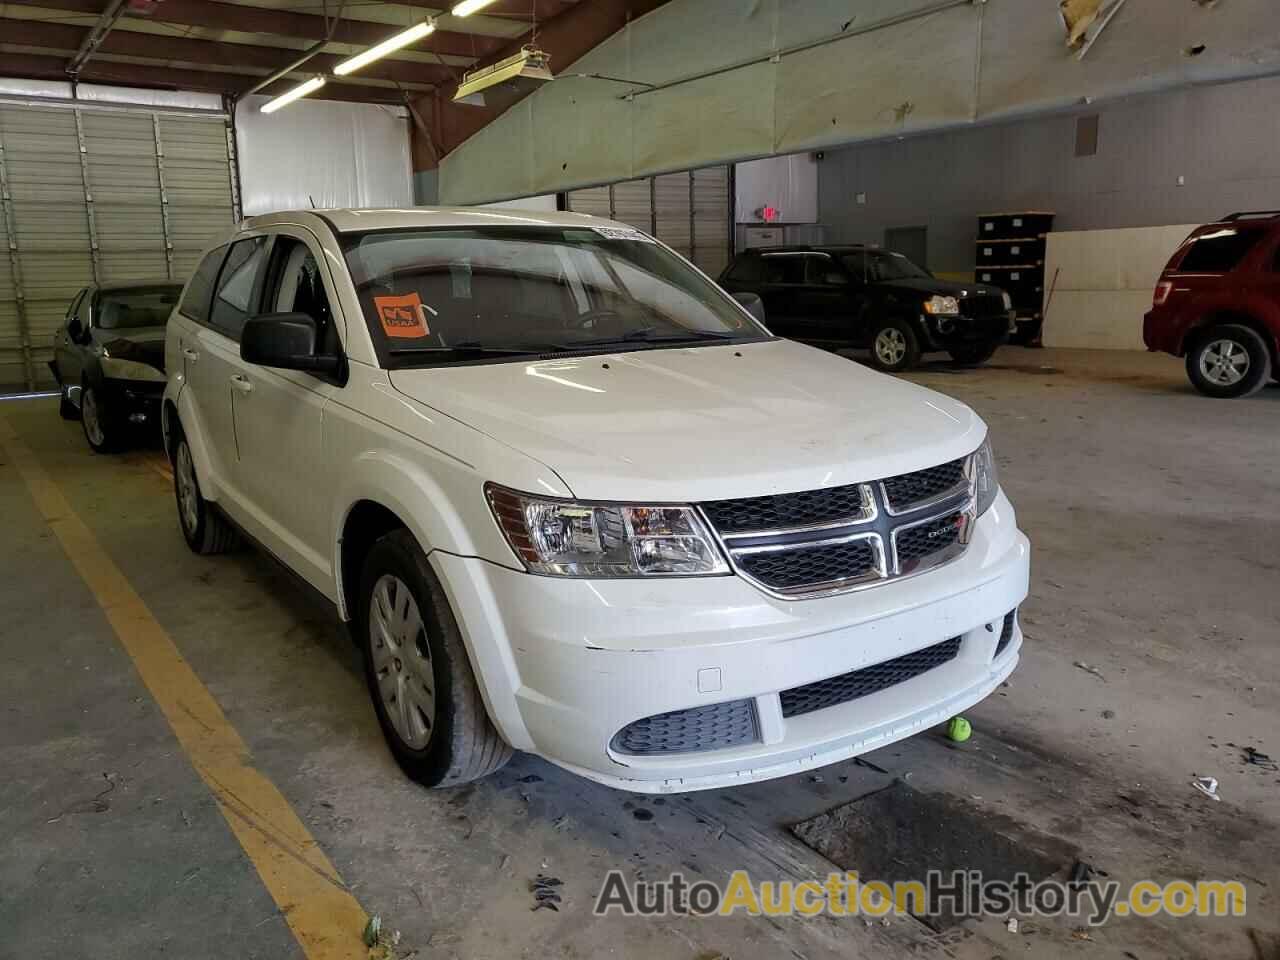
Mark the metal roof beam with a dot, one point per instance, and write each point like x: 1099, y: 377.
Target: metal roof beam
x: 184, y: 50
x: 284, y: 23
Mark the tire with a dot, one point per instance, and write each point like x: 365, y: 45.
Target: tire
x: 894, y: 346
x: 100, y: 430
x: 66, y: 409
x: 973, y: 356
x: 1228, y: 361
x: 457, y: 742
x: 206, y: 531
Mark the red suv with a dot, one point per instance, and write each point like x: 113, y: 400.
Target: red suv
x: 1218, y: 305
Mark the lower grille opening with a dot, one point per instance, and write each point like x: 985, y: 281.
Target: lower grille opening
x: 713, y: 727
x: 1006, y: 632
x: 867, y: 680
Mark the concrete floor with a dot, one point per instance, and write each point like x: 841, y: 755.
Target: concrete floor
x: 1152, y: 512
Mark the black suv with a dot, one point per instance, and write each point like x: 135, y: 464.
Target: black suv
x: 867, y: 297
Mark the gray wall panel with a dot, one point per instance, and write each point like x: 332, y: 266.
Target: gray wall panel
x: 1225, y: 141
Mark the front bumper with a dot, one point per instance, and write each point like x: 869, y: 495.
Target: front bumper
x: 565, y: 664
x: 133, y: 401
x: 946, y: 333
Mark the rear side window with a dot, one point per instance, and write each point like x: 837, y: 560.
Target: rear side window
x: 233, y: 300
x: 746, y: 270
x: 1219, y: 252
x: 784, y: 268
x: 196, y: 303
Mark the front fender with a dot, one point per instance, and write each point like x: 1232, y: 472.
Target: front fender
x: 448, y: 526
x: 191, y: 427
x: 408, y: 491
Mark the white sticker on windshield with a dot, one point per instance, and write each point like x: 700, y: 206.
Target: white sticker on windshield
x: 622, y: 233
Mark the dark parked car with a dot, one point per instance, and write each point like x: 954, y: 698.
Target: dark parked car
x: 867, y: 297
x: 108, y: 358
x: 1218, y: 305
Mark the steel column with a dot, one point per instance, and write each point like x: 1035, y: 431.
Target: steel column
x: 88, y: 198
x: 15, y: 267
x: 164, y: 197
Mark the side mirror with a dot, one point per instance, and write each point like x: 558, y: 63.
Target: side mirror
x: 75, y: 329
x: 286, y: 341
x: 753, y: 304
x: 836, y: 279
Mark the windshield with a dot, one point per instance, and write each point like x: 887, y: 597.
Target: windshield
x: 887, y: 265
x: 441, y: 295
x: 136, y: 307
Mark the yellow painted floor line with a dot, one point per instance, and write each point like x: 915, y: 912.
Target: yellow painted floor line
x: 325, y: 918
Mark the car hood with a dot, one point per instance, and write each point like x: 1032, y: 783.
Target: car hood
x: 148, y: 343
x: 136, y: 334
x: 704, y: 423
x: 931, y: 286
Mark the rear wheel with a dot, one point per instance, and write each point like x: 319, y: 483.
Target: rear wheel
x: 973, y: 356
x: 895, y: 346
x: 418, y: 672
x: 206, y: 530
x: 1229, y: 360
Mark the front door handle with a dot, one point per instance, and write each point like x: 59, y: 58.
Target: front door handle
x: 192, y: 355
x: 241, y: 383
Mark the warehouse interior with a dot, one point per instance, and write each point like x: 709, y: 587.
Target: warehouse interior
x: 201, y: 761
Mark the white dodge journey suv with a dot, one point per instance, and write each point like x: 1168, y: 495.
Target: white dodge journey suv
x: 576, y: 500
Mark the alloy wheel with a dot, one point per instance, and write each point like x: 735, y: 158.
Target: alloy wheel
x: 92, y: 417
x: 1224, y: 362
x: 401, y: 658
x: 890, y: 346
x: 188, y: 493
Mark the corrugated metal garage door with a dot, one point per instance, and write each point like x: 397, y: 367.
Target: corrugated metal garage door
x: 687, y: 211
x: 98, y: 194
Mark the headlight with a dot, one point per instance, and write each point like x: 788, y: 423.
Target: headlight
x: 986, y: 480
x: 566, y: 539
x: 942, y: 306
x: 1008, y: 300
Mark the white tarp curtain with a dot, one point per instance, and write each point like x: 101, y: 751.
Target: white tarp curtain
x: 788, y: 184
x: 322, y: 153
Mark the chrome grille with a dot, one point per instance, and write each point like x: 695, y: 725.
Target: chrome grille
x: 712, y: 727
x: 867, y: 680
x: 910, y: 490
x: 820, y: 542
x: 849, y: 504
x: 983, y: 305
x: 824, y: 563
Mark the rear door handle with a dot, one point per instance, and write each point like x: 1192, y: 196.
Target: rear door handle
x: 241, y: 383
x: 190, y: 354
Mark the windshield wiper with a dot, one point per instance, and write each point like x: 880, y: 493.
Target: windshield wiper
x: 472, y: 347
x: 651, y: 335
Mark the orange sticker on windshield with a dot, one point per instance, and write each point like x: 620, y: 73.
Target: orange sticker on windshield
x: 402, y: 317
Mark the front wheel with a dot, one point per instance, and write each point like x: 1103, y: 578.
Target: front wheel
x: 100, y: 430
x: 973, y: 356
x: 1228, y: 361
x: 895, y: 346
x: 206, y: 530
x: 418, y: 672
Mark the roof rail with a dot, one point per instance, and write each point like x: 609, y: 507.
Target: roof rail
x: 1251, y: 215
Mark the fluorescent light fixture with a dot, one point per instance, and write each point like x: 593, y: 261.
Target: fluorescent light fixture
x: 297, y: 93
x: 530, y: 67
x: 468, y: 7
x: 390, y: 45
